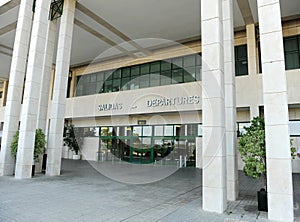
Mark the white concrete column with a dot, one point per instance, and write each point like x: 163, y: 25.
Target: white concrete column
x: 4, y: 95
x: 279, y: 165
x: 230, y: 101
x: 254, y: 111
x: 73, y: 85
x: 251, y: 49
x: 199, y: 152
x: 55, y: 141
x: 32, y: 90
x: 15, y: 87
x: 46, y: 78
x: 213, y: 107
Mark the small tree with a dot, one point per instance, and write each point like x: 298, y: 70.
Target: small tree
x: 39, y: 144
x: 252, y: 147
x: 71, y: 139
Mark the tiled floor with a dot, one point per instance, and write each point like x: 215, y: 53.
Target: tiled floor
x: 81, y: 193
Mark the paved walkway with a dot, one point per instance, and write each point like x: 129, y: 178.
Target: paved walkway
x: 81, y: 193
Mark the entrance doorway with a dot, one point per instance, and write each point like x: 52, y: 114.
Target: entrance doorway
x: 145, y: 144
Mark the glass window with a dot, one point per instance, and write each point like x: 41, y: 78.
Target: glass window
x: 125, y: 84
x: 137, y: 131
x: 199, y: 129
x: 100, y: 76
x: 191, y: 130
x: 189, y: 74
x: 147, y: 130
x: 135, y: 70
x: 168, y: 131
x: 79, y: 90
x: 166, y: 78
x: 108, y: 75
x: 155, y: 67
x: 179, y: 130
x: 294, y: 127
x: 92, y: 88
x: 241, y: 60
x: 117, y: 74
x: 291, y: 52
x: 151, y: 74
x: 199, y: 59
x: 116, y: 85
x: 165, y: 65
x: 144, y: 81
x: 198, y: 73
x: 146, y: 142
x: 154, y: 79
x: 85, y: 79
x: 93, y: 77
x: 291, y: 61
x: 125, y: 72
x: 135, y: 83
x: 108, y: 86
x: 158, y: 130
x: 177, y: 76
x: 145, y: 68
x: 189, y: 61
x: 177, y: 63
x: 106, y: 131
x: 99, y: 86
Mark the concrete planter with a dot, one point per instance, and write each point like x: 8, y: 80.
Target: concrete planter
x: 76, y: 156
x: 262, y: 199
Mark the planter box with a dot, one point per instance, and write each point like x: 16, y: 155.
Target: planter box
x: 76, y: 157
x: 262, y: 199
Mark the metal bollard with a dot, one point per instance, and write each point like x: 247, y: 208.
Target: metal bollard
x: 180, y: 161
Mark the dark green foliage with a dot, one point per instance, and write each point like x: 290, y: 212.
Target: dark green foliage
x: 72, y: 139
x: 39, y: 144
x: 14, y: 144
x: 252, y: 148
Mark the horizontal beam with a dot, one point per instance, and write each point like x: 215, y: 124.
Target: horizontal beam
x: 8, y: 6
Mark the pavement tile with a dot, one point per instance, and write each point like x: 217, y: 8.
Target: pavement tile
x: 83, y: 194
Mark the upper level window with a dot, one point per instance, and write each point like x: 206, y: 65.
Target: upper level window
x: 292, y: 52
x: 241, y: 60
x: 166, y: 72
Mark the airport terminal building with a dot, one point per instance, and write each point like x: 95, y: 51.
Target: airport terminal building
x: 147, y: 81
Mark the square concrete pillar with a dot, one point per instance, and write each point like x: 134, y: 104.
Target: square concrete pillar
x: 251, y: 49
x: 213, y: 107
x: 279, y: 165
x: 199, y: 152
x: 15, y: 86
x: 46, y: 76
x: 32, y: 90
x: 57, y: 115
x: 4, y: 96
x: 230, y: 101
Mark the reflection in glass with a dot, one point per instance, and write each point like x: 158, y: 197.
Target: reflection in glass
x: 168, y: 131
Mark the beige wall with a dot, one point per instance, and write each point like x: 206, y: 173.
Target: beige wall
x: 83, y: 111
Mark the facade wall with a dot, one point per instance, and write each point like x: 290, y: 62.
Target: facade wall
x: 84, y: 111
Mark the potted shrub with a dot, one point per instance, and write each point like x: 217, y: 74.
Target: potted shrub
x: 252, y: 147
x: 73, y: 141
x: 39, y: 146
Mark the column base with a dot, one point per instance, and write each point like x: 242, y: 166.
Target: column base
x: 232, y: 190
x: 23, y: 171
x: 214, y: 199
x: 7, y: 169
x: 280, y: 207
x: 53, y: 169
